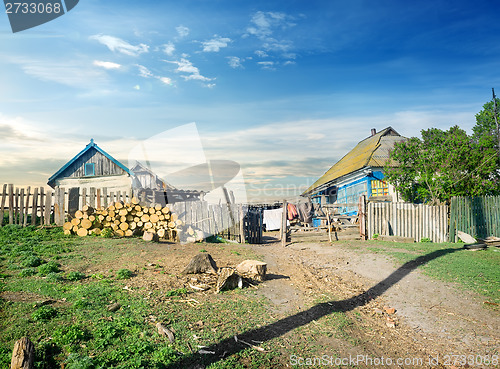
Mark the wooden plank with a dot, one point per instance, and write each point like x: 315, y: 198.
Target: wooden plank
x: 21, y: 207
x: 34, y: 208
x: 92, y: 197
x: 59, y: 206
x: 284, y: 228
x: 241, y: 218
x: 2, y: 204
x: 48, y: 207
x: 98, y: 198
x: 42, y: 203
x: 105, y: 197
x: 16, y: 206
x: 73, y: 201
x: 11, y: 204
x: 26, y: 206
x: 84, y: 198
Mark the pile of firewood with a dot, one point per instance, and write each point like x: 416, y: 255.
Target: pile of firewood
x: 125, y: 220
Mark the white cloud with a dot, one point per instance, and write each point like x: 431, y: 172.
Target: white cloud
x: 267, y: 65
x: 261, y: 53
x: 106, y: 65
x: 144, y: 72
x: 169, y: 48
x: 235, y: 62
x: 215, y: 44
x: 184, y: 66
x: 165, y: 80
x: 121, y: 46
x: 69, y: 73
x: 137, y: 87
x: 263, y: 24
x: 182, y: 31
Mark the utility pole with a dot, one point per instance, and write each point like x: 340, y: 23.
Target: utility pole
x: 496, y: 119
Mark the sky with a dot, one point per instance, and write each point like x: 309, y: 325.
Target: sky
x: 284, y: 88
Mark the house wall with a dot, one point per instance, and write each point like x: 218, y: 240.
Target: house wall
x: 350, y: 187
x: 103, y: 166
x: 114, y: 183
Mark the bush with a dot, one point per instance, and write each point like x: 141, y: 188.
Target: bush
x: 124, y: 274
x: 425, y: 239
x: 32, y: 261
x: 50, y: 267
x: 107, y: 233
x: 75, y: 276
x: 54, y: 277
x: 44, y: 313
x: 27, y: 272
x: 69, y: 335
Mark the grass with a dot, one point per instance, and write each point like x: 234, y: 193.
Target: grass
x: 476, y: 271
x: 76, y: 329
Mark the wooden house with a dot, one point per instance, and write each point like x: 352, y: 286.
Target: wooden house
x: 93, y: 167
x: 359, y: 172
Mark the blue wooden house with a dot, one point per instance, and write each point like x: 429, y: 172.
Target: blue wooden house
x: 359, y: 172
x: 93, y: 167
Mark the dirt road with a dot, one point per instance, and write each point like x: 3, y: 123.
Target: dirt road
x: 432, y: 319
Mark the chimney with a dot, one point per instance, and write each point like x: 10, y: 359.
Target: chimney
x: 374, y: 131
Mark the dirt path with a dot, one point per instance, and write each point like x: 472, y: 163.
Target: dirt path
x: 432, y: 317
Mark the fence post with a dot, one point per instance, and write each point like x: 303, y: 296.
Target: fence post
x: 11, y: 204
x: 28, y: 193
x: 362, y: 216
x: 48, y: 208
x: 35, y: 206
x: 42, y: 203
x: 284, y: 229
x: 2, y: 205
x: 59, y: 206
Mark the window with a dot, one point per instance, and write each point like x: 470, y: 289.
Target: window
x: 89, y: 169
x: 379, y: 188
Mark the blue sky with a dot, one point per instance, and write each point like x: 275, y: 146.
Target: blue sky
x: 285, y: 88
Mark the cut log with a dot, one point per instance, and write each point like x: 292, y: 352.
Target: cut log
x: 228, y: 280
x: 23, y: 355
x: 75, y: 221
x: 150, y: 236
x: 252, y: 269
x: 153, y: 218
x: 82, y: 232
x: 85, y: 223
x: 134, y: 200
x: 201, y: 263
x: 67, y: 226
x: 79, y: 214
x: 124, y: 226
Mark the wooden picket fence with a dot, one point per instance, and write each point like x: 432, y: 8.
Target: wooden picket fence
x: 39, y: 206
x: 477, y: 216
x: 415, y: 221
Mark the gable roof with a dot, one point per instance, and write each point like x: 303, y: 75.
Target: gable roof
x: 372, y: 151
x: 91, y: 145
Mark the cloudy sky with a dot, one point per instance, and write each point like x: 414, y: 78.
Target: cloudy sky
x: 285, y: 88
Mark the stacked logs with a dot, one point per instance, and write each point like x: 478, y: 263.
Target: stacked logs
x: 125, y: 220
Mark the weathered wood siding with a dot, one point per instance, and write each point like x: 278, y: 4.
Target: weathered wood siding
x: 408, y: 220
x: 103, y: 166
x: 113, y: 183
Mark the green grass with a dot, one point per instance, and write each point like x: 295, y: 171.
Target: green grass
x: 77, y: 329
x: 476, y: 271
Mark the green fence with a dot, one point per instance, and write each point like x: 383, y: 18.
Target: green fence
x: 477, y: 216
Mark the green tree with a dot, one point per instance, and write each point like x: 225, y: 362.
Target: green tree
x: 443, y: 164
x: 485, y: 130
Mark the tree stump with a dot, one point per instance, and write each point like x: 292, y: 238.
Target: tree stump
x: 228, y: 280
x: 252, y: 269
x: 201, y: 263
x: 23, y: 355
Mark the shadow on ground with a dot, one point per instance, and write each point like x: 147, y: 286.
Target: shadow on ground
x: 229, y: 346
